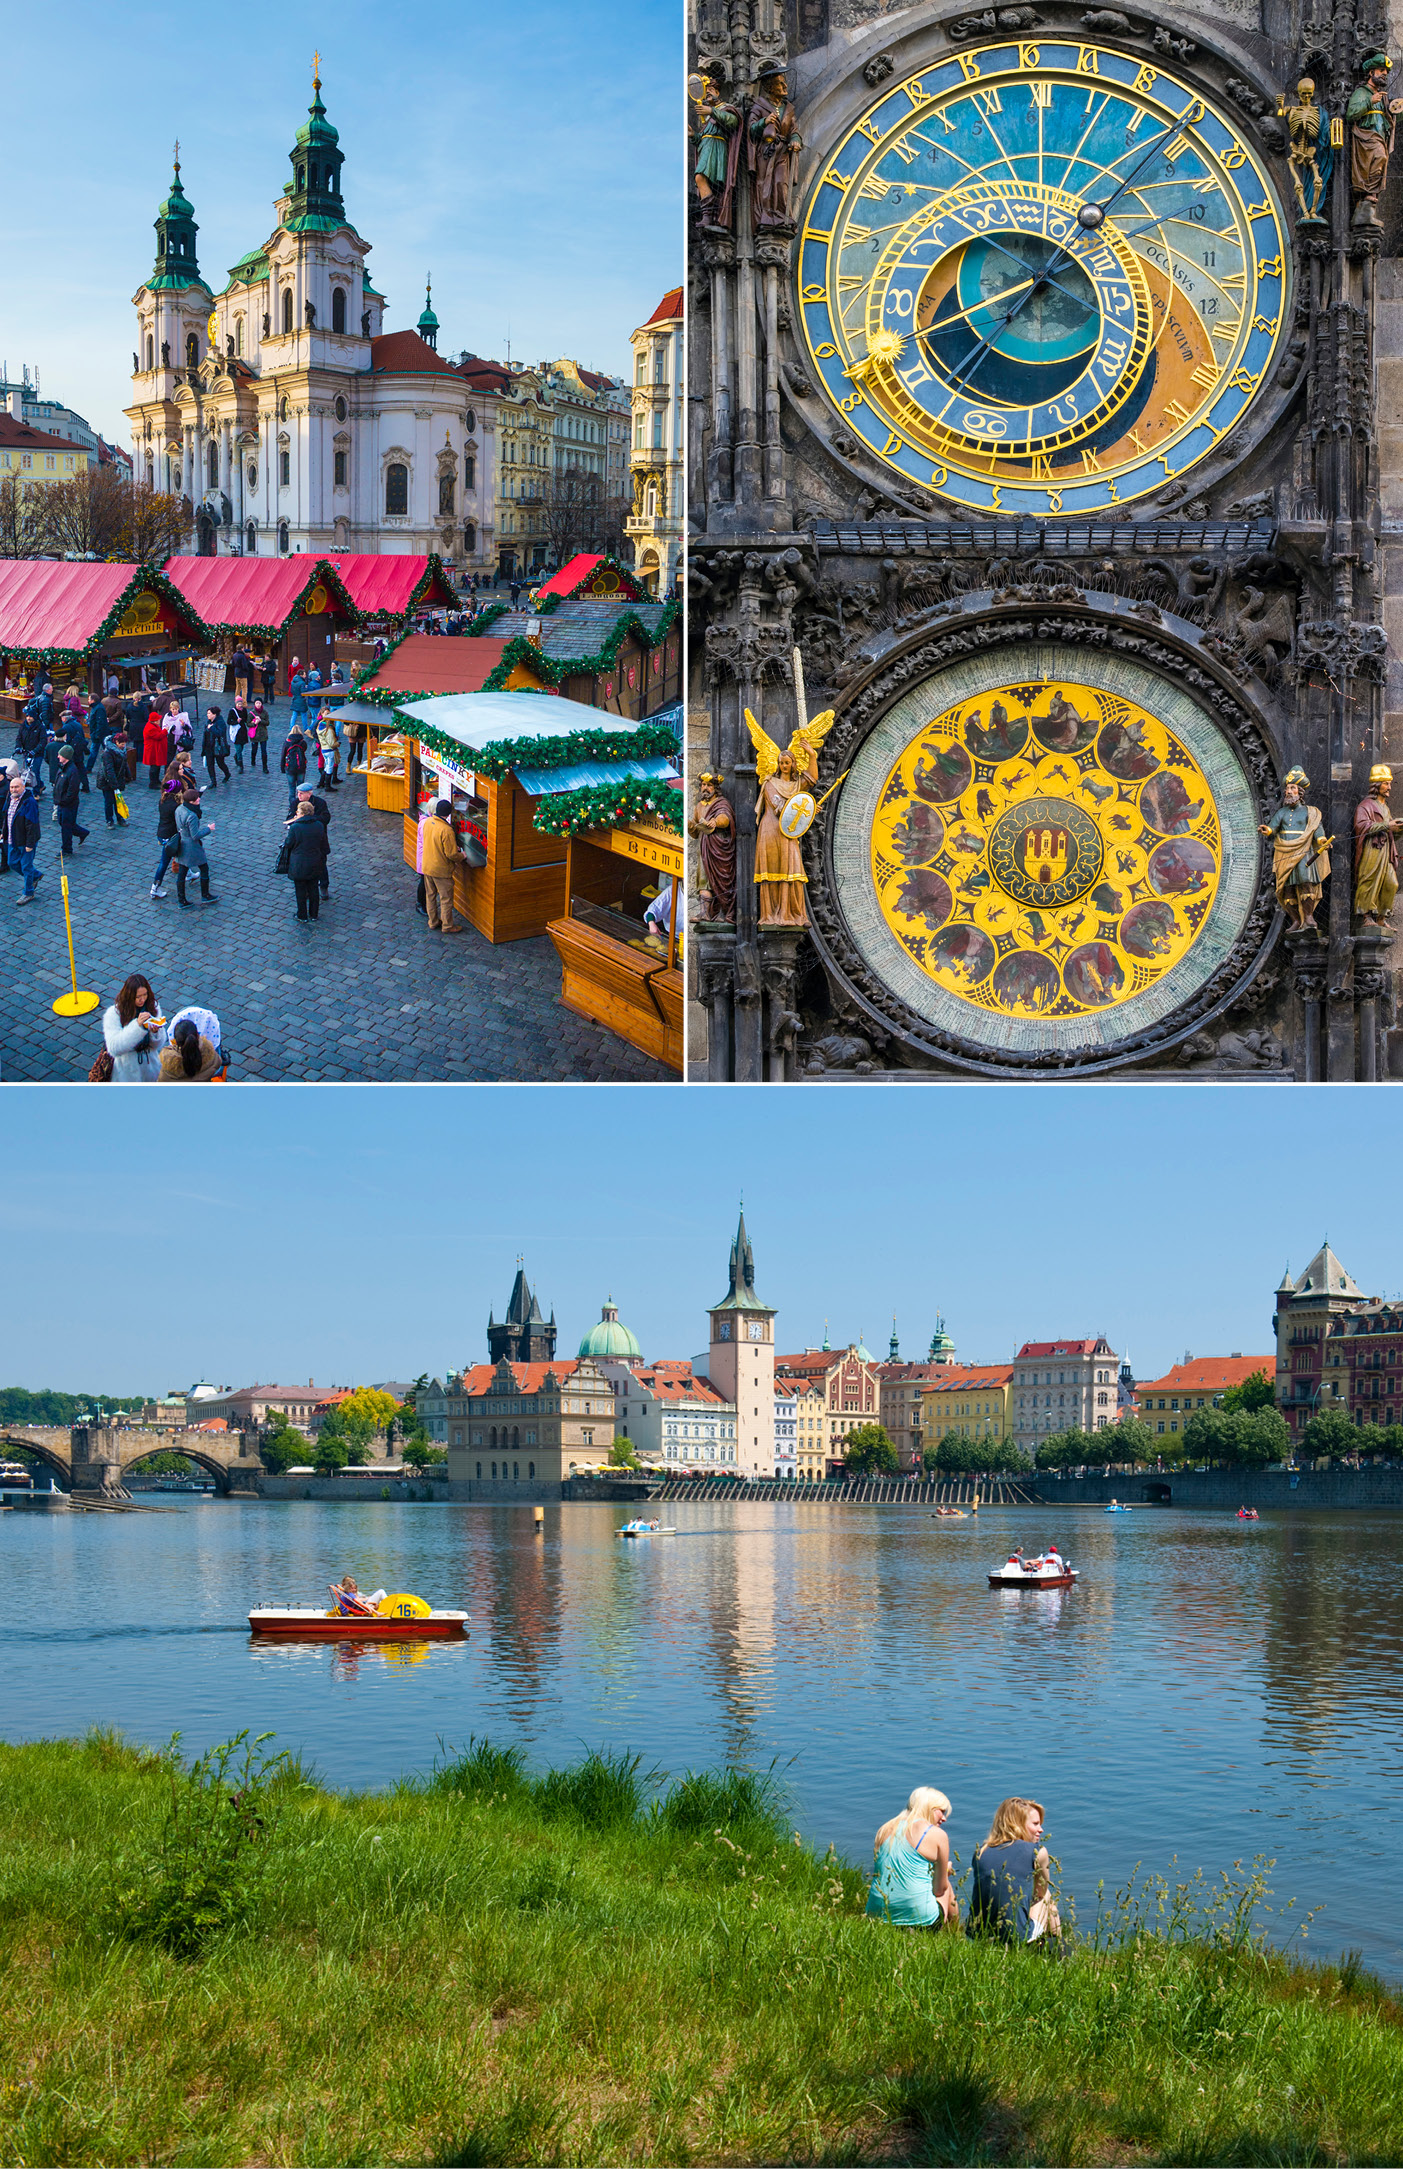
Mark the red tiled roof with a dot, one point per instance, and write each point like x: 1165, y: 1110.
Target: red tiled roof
x: 424, y: 663
x: 403, y: 351
x: 45, y: 605
x: 676, y: 1382
x: 817, y: 1360
x: 1207, y: 1374
x: 29, y: 439
x: 526, y: 1377
x: 670, y: 306
x: 485, y: 376
x: 967, y: 1377
x: 1061, y: 1348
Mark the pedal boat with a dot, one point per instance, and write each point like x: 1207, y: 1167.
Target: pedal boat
x: 644, y: 1528
x: 1033, y: 1574
x: 395, y: 1619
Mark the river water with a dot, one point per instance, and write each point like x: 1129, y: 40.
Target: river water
x: 1211, y: 1690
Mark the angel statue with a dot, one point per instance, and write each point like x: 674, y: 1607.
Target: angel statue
x: 784, y: 810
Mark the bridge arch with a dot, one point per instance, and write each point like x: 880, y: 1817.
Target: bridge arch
x: 18, y: 1446
x: 211, y: 1467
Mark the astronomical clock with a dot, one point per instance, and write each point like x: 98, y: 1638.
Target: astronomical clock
x: 1033, y: 353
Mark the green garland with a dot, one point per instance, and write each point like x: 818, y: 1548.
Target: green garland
x: 606, y: 805
x: 497, y: 760
x: 143, y: 577
x: 635, y: 591
x: 520, y: 649
x: 575, y: 666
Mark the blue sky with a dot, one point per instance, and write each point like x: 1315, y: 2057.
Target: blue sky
x: 353, y: 1234
x: 529, y: 156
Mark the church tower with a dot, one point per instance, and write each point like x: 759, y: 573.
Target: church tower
x: 524, y: 1335
x: 741, y: 1361
x: 172, y: 311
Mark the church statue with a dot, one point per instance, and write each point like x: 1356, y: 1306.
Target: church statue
x: 1372, y: 120
x: 779, y: 863
x: 136, y: 364
x: 365, y: 324
x: 1311, y: 158
x: 1376, y: 850
x: 229, y: 346
x: 267, y: 325
x: 165, y: 353
x: 714, y: 826
x: 773, y: 152
x: 309, y: 310
x: 1300, y: 854
x: 716, y: 128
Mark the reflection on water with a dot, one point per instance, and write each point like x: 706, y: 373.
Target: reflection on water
x: 1211, y: 1689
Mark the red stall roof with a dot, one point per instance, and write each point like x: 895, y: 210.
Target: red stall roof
x: 46, y: 606
x: 426, y: 663
x: 268, y: 591
x: 573, y: 579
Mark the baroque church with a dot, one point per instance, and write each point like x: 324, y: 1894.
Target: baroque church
x: 282, y: 407
x: 1046, y: 559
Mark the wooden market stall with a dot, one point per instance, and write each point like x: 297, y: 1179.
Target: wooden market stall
x: 306, y: 606
x: 79, y: 621
x: 496, y: 757
x: 612, y: 968
x: 610, y: 652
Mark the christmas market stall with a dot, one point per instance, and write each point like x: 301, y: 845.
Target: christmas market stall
x: 498, y: 758
x: 307, y: 607
x: 593, y: 576
x: 424, y: 666
x: 81, y: 622
x: 619, y: 938
x: 610, y: 653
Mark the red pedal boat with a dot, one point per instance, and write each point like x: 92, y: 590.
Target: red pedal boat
x: 397, y: 1618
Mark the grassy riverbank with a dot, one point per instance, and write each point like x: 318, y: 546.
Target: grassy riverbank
x: 485, y: 1970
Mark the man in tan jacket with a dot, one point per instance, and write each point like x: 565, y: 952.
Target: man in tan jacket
x: 441, y: 854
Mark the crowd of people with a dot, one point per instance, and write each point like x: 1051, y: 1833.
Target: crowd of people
x: 1011, y: 1896
x: 105, y: 741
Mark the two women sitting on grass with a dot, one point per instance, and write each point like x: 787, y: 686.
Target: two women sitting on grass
x: 1012, y: 1897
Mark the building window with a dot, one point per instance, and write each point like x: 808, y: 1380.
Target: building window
x: 338, y: 308
x: 238, y: 335
x: 284, y: 468
x: 660, y: 366
x: 340, y: 410
x: 214, y: 466
x: 339, y: 467
x: 469, y: 537
x: 479, y: 1469
x: 282, y: 538
x: 287, y: 309
x: 530, y: 1468
x: 251, y: 539
x: 470, y: 474
x: 150, y: 351
x: 494, y: 1471
x: 396, y: 488
x: 516, y: 1470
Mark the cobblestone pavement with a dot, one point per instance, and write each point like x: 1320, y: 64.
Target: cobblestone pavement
x: 367, y: 993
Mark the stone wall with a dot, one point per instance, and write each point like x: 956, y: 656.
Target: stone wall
x: 589, y: 1491
x: 1216, y: 1488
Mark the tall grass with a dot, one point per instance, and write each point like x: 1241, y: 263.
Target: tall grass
x: 649, y: 1970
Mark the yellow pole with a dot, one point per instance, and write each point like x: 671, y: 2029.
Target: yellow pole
x: 78, y: 1003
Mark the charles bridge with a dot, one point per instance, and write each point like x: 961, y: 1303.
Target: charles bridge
x: 98, y: 1457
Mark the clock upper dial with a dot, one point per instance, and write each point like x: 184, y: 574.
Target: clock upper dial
x: 1042, y: 278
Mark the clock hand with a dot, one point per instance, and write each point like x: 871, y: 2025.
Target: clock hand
x: 1065, y: 291
x: 1100, y: 207
x: 990, y: 301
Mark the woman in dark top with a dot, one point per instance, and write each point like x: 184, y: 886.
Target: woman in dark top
x: 1012, y: 1899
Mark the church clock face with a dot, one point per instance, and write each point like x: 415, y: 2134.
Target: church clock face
x: 1043, y: 278
x: 1043, y: 850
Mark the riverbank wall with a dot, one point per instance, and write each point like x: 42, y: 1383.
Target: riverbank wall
x: 614, y: 1491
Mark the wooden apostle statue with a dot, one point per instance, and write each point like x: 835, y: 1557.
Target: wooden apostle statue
x: 1300, y: 854
x: 1376, y: 849
x: 714, y: 826
x: 1372, y: 120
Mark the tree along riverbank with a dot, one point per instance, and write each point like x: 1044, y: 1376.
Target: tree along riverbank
x: 232, y: 1965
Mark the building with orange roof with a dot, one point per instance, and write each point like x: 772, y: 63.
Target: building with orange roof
x: 1198, y: 1382
x: 529, y: 1422
x: 654, y: 524
x: 970, y: 1399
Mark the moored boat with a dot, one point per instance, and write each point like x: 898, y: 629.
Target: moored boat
x: 397, y: 1618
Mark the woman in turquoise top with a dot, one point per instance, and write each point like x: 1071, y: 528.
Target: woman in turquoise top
x: 911, y: 1885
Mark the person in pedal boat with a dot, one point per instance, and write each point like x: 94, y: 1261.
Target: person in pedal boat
x: 348, y: 1597
x: 1012, y: 1897
x: 911, y: 1885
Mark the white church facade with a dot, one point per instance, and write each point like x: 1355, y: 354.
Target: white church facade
x: 282, y: 407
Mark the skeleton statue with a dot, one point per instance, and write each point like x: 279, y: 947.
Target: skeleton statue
x: 1309, y: 152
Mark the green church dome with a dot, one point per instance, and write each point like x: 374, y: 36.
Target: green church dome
x: 609, y: 1338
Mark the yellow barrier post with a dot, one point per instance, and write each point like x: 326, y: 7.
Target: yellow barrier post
x: 79, y: 1002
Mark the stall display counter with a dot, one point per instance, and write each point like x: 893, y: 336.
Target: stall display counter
x: 513, y: 882
x: 612, y: 968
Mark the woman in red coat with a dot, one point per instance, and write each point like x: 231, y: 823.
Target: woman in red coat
x: 155, y: 749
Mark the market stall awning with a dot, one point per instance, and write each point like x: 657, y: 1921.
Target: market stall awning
x: 390, y: 587
x: 255, y: 598
x: 428, y: 663
x: 59, y: 609
x: 593, y: 575
x: 592, y: 775
x: 478, y: 720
